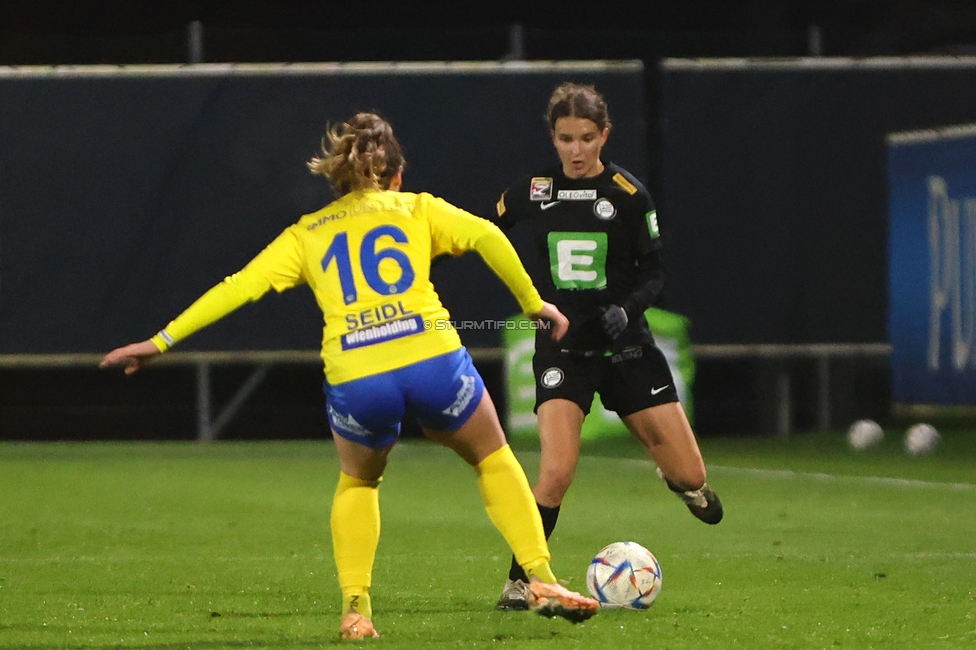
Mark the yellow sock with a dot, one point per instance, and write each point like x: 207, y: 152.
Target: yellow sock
x: 357, y: 600
x: 355, y: 534
x: 511, y: 507
x: 541, y: 571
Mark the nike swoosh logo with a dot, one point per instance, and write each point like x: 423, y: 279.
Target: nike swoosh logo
x: 546, y: 205
x: 655, y: 391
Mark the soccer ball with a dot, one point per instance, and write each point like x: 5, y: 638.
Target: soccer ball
x: 624, y: 575
x: 864, y: 433
x: 921, y: 439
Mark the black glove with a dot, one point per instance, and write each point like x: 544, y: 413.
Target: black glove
x: 614, y: 321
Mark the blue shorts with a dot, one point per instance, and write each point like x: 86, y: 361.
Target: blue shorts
x: 441, y: 393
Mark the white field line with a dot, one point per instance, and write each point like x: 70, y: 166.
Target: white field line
x: 837, y: 478
x: 811, y: 476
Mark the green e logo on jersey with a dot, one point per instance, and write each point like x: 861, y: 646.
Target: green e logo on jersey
x: 578, y: 260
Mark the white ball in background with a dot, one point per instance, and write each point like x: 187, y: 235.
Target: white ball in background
x: 921, y: 439
x: 864, y: 433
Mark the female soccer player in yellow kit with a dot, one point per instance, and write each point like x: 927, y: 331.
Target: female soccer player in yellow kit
x: 389, y: 349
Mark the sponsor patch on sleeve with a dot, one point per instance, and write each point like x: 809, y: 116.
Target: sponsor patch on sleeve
x: 652, y: 224
x: 629, y: 187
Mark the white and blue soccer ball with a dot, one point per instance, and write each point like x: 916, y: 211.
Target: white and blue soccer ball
x: 624, y: 575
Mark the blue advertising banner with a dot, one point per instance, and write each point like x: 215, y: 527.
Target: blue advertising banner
x: 932, y: 265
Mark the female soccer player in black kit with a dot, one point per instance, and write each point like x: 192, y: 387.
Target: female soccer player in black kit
x: 588, y: 235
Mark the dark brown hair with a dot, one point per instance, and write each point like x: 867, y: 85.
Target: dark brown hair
x: 359, y: 154
x: 577, y: 100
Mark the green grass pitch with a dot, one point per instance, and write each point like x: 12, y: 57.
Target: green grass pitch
x: 178, y: 545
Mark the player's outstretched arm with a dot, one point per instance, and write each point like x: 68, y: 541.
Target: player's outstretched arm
x: 132, y: 356
x: 551, y: 313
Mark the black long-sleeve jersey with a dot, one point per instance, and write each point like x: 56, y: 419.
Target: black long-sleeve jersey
x: 587, y: 243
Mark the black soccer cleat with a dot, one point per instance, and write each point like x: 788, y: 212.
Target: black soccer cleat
x: 703, y: 502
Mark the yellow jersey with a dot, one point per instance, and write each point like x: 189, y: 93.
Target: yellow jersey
x: 366, y: 257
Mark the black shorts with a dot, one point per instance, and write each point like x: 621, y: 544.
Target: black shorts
x: 630, y: 380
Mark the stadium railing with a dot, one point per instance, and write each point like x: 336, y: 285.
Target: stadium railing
x: 779, y: 354
x: 209, y: 424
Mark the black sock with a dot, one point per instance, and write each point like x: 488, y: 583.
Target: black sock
x: 674, y: 487
x: 549, y: 517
